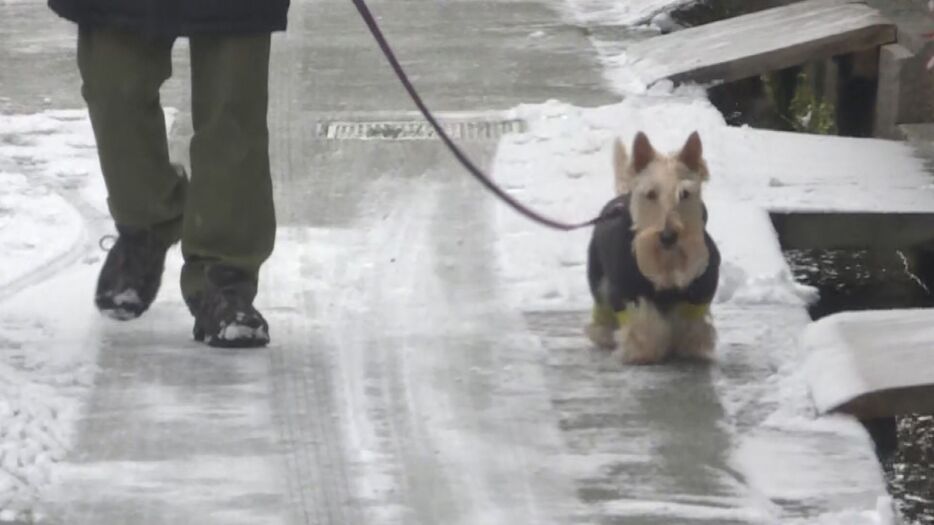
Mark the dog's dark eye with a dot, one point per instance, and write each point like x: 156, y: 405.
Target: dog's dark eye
x: 685, y: 194
x: 651, y: 195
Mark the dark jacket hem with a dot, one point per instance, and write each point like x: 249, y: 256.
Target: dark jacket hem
x: 134, y: 24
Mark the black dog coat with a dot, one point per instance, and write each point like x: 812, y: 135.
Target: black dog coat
x: 615, y: 279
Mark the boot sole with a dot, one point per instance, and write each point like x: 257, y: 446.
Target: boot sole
x: 119, y: 313
x: 236, y: 343
x: 217, y: 342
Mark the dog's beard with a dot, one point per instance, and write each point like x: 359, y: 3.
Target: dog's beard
x: 671, y: 268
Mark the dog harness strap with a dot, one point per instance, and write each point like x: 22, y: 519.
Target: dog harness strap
x: 691, y: 311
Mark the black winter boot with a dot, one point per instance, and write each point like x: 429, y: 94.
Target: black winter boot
x: 225, y: 314
x: 131, y: 275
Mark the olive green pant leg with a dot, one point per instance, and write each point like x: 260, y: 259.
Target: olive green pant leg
x: 229, y: 216
x: 121, y: 75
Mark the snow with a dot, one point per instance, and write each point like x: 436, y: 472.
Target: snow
x: 682, y: 511
x: 796, y: 171
x: 882, y: 514
x: 638, y: 20
x: 613, y: 12
x: 198, y: 481
x: 127, y: 297
x: 665, y: 23
x: 238, y: 332
x: 45, y: 372
x: 39, y: 234
x: 834, y: 389
x: 37, y: 225
x: 869, y: 351
x: 50, y: 185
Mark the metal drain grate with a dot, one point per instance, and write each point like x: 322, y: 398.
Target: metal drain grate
x: 418, y: 130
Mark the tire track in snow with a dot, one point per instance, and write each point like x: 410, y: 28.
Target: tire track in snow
x: 440, y: 390
x: 305, y: 407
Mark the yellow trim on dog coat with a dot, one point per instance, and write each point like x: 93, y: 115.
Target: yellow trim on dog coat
x: 691, y: 311
x: 603, y: 316
x: 622, y: 317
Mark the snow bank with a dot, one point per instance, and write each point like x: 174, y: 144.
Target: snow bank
x: 37, y: 153
x: 42, y: 158
x: 37, y: 414
x: 616, y: 13
x: 882, y: 514
x: 36, y: 227
x: 45, y: 373
x: 848, y: 343
x: 630, y: 21
x: 50, y: 187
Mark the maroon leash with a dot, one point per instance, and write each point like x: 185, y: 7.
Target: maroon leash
x: 471, y: 168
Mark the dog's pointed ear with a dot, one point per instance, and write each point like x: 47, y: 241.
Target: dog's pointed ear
x: 642, y: 152
x: 692, y: 154
x: 620, y: 167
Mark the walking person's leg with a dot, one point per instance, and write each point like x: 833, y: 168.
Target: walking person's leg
x: 229, y: 227
x: 121, y: 75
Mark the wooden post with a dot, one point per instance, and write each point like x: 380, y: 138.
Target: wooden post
x: 893, y: 99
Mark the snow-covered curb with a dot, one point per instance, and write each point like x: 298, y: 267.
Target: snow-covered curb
x: 42, y: 157
x: 38, y: 408
x: 38, y: 153
x: 50, y: 187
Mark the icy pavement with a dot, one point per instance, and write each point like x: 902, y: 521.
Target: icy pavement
x: 427, y: 363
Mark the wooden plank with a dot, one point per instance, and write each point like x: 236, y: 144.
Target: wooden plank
x: 798, y: 173
x: 912, y: 19
x: 873, y: 363
x: 769, y: 40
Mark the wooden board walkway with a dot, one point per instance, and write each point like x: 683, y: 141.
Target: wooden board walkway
x: 768, y: 40
x: 872, y: 364
x: 828, y: 192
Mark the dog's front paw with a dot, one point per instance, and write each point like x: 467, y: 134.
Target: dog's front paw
x: 697, y: 340
x: 600, y: 335
x: 640, y: 348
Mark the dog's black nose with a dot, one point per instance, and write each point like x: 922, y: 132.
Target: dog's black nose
x: 668, y: 238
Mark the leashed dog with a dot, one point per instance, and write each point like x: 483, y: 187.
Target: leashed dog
x: 653, y: 269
